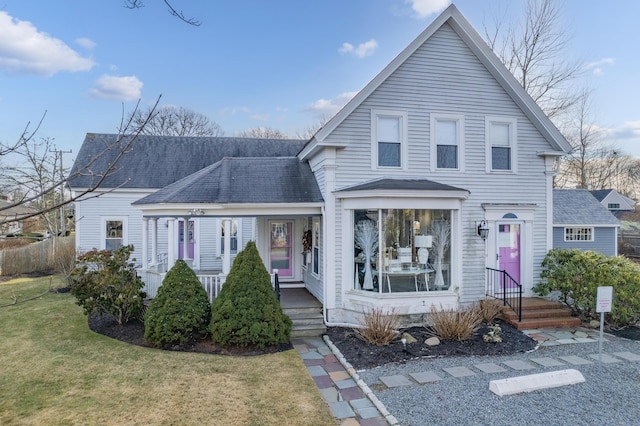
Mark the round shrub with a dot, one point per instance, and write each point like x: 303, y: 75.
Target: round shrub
x: 247, y: 311
x: 181, y: 312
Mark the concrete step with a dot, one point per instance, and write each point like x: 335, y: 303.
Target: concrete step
x: 308, y: 330
x: 302, y: 311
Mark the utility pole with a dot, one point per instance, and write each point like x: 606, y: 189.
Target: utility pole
x: 63, y: 220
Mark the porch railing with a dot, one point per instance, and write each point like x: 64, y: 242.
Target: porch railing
x: 212, y: 283
x: 502, y: 286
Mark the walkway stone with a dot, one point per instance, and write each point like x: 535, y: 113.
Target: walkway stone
x: 547, y: 362
x: 489, y: 367
x: 519, y: 365
x: 606, y: 358
x: 395, y: 381
x: 575, y: 360
x: 459, y: 371
x: 629, y: 356
x: 425, y: 377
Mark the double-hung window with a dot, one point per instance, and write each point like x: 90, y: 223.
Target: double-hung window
x: 389, y: 135
x: 233, y: 225
x: 114, y: 233
x: 447, y: 142
x: 500, y: 133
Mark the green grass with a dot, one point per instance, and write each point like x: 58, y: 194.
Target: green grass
x: 56, y: 371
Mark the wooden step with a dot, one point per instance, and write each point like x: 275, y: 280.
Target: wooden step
x: 541, y: 313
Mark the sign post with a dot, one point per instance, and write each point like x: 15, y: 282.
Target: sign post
x: 603, y: 304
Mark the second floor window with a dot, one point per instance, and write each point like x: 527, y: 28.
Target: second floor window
x: 501, y: 144
x: 446, y: 141
x: 389, y: 139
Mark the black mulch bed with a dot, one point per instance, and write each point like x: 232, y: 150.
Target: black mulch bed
x: 631, y: 333
x: 133, y: 333
x: 361, y: 355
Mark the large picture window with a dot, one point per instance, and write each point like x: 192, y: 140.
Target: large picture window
x: 402, y: 250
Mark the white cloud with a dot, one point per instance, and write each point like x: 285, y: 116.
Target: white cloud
x: 25, y: 50
x: 625, y: 136
x: 117, y: 88
x: 596, y: 66
x: 425, y: 8
x: 260, y: 117
x: 325, y: 108
x: 364, y: 49
x: 87, y: 43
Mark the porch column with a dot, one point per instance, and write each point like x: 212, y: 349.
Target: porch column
x: 185, y: 238
x: 171, y: 242
x: 154, y: 240
x: 145, y: 243
x: 226, y: 258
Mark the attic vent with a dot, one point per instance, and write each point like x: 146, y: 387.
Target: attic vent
x: 509, y: 216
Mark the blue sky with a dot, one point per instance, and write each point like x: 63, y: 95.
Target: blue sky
x: 281, y: 64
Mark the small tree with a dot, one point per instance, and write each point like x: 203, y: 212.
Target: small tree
x: 247, y: 312
x: 181, y: 312
x: 106, y: 282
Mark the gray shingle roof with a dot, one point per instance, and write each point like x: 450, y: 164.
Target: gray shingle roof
x: 157, y: 161
x: 244, y: 180
x: 601, y: 194
x: 579, y: 207
x: 402, y: 184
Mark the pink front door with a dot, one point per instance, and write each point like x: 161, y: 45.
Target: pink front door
x: 181, y: 240
x: 509, y: 249
x: 281, y: 248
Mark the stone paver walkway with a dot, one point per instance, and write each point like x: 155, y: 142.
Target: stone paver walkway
x: 353, y: 403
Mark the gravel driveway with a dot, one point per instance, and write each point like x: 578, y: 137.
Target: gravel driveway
x: 610, y: 395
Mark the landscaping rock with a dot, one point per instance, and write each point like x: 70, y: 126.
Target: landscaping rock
x: 432, y: 341
x: 409, y: 338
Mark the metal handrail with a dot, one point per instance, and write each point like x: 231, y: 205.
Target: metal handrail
x: 503, y: 286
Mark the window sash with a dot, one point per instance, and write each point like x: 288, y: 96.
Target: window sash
x: 447, y: 157
x: 500, y: 158
x: 389, y: 154
x: 578, y: 234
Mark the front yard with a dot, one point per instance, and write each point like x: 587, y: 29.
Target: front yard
x: 56, y: 371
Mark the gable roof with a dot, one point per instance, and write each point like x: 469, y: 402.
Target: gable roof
x: 401, y: 184
x: 579, y: 207
x: 243, y: 181
x: 487, y: 57
x: 153, y: 162
x: 601, y: 194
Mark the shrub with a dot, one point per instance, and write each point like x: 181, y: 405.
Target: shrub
x: 449, y: 324
x: 247, y: 311
x: 576, y: 275
x: 105, y: 282
x: 180, y: 312
x: 489, y: 309
x: 378, y: 328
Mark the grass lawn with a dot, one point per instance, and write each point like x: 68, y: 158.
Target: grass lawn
x: 57, y: 371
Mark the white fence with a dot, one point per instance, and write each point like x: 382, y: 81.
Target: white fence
x: 211, y: 283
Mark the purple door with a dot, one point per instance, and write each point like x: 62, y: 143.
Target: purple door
x: 509, y: 250
x: 181, y: 240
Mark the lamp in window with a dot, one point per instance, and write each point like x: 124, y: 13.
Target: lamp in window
x: 423, y: 244
x: 483, y: 230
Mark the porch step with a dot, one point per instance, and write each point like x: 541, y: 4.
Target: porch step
x: 307, y: 322
x: 541, y: 313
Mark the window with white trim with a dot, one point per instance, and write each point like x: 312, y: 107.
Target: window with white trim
x: 578, y: 234
x: 500, y: 134
x: 234, y: 225
x: 113, y: 233
x: 447, y: 141
x: 388, y: 139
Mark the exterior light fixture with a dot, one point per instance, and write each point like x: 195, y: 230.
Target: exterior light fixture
x: 483, y: 230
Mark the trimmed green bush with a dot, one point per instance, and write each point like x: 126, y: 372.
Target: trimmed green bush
x: 181, y: 312
x: 576, y: 276
x: 247, y: 311
x: 106, y: 282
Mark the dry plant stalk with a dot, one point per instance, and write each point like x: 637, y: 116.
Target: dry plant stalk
x: 449, y: 324
x: 378, y: 328
x: 489, y: 309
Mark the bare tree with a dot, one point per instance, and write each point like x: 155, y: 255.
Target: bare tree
x: 136, y: 4
x: 263, y: 133
x: 309, y: 131
x: 174, y: 121
x: 536, y: 54
x: 43, y: 180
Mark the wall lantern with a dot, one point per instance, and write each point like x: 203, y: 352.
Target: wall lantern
x: 483, y: 230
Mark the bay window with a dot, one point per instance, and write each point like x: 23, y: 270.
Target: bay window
x: 402, y: 250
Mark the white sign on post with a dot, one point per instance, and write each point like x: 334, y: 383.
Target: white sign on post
x: 604, y: 299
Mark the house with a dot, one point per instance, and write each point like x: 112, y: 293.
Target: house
x: 436, y: 176
x: 580, y: 221
x: 17, y: 219
x: 615, y: 202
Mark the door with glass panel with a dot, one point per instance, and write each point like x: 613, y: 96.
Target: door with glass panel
x: 509, y: 248
x: 281, y: 248
x: 181, y: 239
